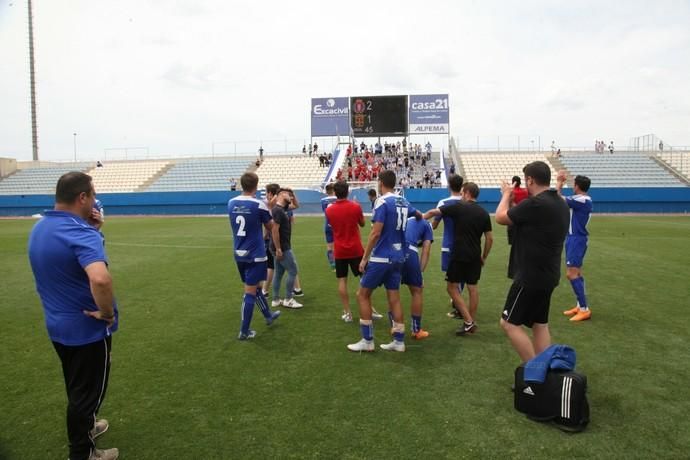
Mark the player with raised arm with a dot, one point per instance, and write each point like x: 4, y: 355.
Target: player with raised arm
x: 247, y: 217
x: 382, y: 262
x: 580, y: 205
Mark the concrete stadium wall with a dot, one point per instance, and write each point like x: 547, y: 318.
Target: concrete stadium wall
x: 606, y: 200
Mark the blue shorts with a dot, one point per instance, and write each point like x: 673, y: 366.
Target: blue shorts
x: 412, y: 271
x: 445, y: 260
x: 378, y: 273
x: 329, y: 235
x: 575, y: 249
x: 252, y: 273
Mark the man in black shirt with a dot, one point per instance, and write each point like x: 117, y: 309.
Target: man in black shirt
x: 540, y: 224
x: 470, y: 222
x: 281, y: 249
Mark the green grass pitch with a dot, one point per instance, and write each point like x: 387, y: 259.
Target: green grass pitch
x: 183, y: 387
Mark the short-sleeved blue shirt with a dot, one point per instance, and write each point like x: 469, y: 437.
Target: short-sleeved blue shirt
x: 392, y: 210
x: 61, y: 245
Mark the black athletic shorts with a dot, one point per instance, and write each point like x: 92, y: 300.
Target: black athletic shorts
x: 342, y: 264
x: 526, y: 306
x: 269, y: 262
x: 464, y: 272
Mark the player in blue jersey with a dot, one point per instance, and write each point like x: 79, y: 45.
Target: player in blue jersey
x: 248, y: 217
x: 70, y: 268
x: 455, y: 188
x: 580, y: 205
x: 325, y: 202
x: 382, y: 262
x: 418, y: 237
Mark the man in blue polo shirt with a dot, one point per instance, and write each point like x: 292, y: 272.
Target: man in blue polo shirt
x: 70, y: 268
x: 248, y: 216
x: 386, y: 246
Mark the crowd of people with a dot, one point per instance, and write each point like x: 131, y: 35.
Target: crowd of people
x: 600, y: 147
x: 70, y: 267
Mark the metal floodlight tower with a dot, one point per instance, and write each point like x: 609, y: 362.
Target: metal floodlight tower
x: 34, y: 128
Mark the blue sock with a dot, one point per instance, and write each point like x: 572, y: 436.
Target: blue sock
x: 390, y: 317
x: 329, y: 255
x: 416, y: 323
x: 367, y: 331
x: 263, y: 304
x: 399, y: 336
x: 578, y: 285
x: 247, y: 309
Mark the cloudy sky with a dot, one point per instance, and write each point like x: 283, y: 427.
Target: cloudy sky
x: 189, y: 77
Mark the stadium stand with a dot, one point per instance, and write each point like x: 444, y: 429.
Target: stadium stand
x: 125, y: 176
x: 489, y: 169
x: 294, y: 172
x: 201, y: 174
x: 37, y: 180
x: 624, y: 169
x: 680, y: 161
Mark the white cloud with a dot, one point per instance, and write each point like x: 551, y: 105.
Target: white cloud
x: 176, y: 76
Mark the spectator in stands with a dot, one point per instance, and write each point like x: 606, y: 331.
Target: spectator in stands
x: 100, y: 165
x: 310, y: 150
x: 322, y: 160
x: 261, y: 153
x: 553, y: 148
x: 661, y: 146
x: 452, y: 168
x: 233, y: 184
x: 70, y: 269
x: 316, y: 148
x: 558, y: 153
x: 611, y: 148
x: 304, y: 150
x: 541, y: 224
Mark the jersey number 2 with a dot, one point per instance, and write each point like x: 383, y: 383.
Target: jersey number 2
x: 240, y: 221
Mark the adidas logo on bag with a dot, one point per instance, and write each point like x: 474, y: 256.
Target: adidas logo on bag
x: 528, y: 391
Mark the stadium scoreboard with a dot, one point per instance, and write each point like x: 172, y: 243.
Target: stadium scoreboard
x: 379, y: 116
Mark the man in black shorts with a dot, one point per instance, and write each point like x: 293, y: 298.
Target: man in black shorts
x: 540, y: 224
x: 345, y: 218
x: 470, y: 222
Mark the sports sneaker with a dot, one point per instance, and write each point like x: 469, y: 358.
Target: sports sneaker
x: 298, y: 293
x: 292, y: 303
x: 265, y: 293
x: 248, y: 336
x: 466, y: 328
x: 454, y: 314
x: 420, y: 334
x: 573, y: 311
x: 393, y: 346
x: 375, y: 314
x: 100, y: 427
x: 347, y: 317
x: 274, y: 316
x: 362, y: 345
x: 582, y: 315
x: 276, y: 303
x: 104, y: 454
